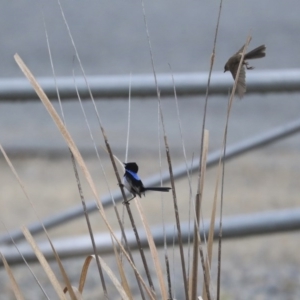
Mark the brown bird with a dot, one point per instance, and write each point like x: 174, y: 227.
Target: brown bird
x: 233, y: 64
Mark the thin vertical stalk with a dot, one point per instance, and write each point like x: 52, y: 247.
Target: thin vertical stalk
x: 169, y: 162
x: 77, y: 177
x: 199, y: 193
x: 223, y: 170
x: 121, y: 225
x: 110, y: 154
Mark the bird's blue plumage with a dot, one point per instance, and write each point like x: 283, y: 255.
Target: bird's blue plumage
x: 134, y: 175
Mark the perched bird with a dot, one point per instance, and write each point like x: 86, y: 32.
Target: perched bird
x: 133, y: 183
x: 233, y: 64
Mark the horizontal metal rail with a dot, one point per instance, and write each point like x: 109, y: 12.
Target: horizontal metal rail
x: 232, y: 151
x: 144, y: 86
x: 233, y: 227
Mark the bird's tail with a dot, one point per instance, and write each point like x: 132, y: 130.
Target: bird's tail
x: 256, y: 53
x: 157, y: 189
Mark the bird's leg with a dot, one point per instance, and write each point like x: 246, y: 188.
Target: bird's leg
x: 247, y: 66
x: 127, y: 201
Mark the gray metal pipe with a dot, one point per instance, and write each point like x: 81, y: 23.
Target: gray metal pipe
x: 143, y: 85
x: 237, y: 149
x: 233, y: 227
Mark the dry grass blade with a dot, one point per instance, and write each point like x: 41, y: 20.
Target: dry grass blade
x: 24, y: 190
x: 176, y: 210
x: 212, y: 59
x: 196, y: 240
x: 77, y: 180
x: 168, y: 275
x: 44, y: 263
x: 210, y: 239
x: 121, y: 221
x: 15, y: 287
x: 153, y: 250
x: 144, y: 260
x: 63, y: 272
x: 57, y: 121
x: 26, y: 263
x: 108, y: 271
x: 83, y: 274
x: 48, y: 237
x: 129, y: 118
x: 115, y: 281
x: 223, y: 156
x: 112, y: 157
x: 187, y: 168
x: 124, y: 280
x: 206, y: 282
x: 114, y: 205
x: 88, y: 224
x: 72, y: 146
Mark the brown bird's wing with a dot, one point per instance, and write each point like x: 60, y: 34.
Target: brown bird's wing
x: 241, y: 50
x: 241, y: 83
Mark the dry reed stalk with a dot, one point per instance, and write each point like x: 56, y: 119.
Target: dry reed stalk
x: 153, y: 250
x: 223, y: 162
x: 15, y: 287
x: 63, y: 272
x: 196, y: 240
x: 66, y: 135
x: 54, y: 281
x: 176, y: 211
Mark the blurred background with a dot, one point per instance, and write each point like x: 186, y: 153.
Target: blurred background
x: 111, y: 39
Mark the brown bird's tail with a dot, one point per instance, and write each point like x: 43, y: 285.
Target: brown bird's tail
x: 256, y: 53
